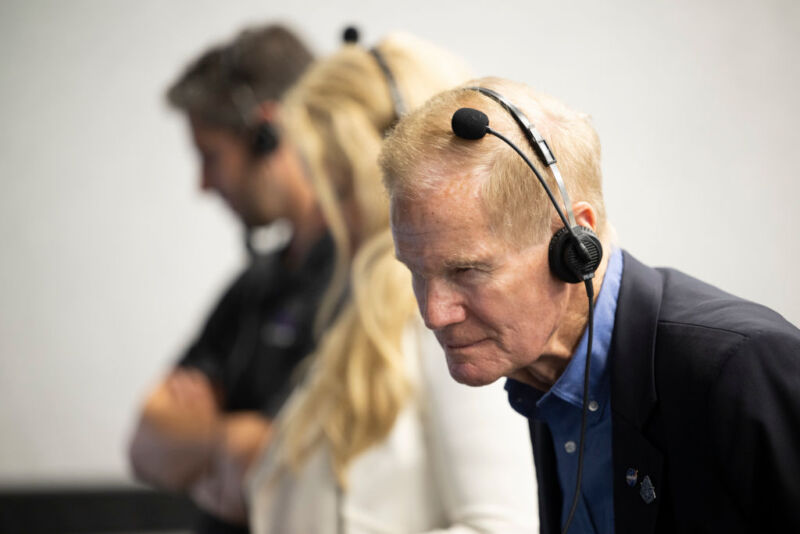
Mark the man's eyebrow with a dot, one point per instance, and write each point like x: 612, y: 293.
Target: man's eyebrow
x: 466, y: 262
x: 454, y: 263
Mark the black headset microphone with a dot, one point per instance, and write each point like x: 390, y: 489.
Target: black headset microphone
x: 574, y: 252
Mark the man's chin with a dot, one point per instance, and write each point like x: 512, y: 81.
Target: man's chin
x: 469, y: 374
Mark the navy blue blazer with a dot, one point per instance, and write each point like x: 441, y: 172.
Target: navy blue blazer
x: 705, y: 397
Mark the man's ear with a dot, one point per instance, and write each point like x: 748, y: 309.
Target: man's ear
x: 267, y: 111
x: 585, y: 215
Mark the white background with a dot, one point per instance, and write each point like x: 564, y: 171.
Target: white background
x: 111, y: 258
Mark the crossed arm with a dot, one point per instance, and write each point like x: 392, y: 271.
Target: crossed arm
x: 184, y: 442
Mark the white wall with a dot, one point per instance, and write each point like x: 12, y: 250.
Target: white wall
x: 110, y: 258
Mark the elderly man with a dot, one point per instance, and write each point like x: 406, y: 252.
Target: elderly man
x: 692, y: 410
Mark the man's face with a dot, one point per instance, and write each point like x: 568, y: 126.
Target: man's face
x: 256, y: 189
x: 492, y: 306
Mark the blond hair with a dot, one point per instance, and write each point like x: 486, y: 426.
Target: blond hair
x: 423, y: 151
x: 337, y: 115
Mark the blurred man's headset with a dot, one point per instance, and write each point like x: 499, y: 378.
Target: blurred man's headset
x: 575, y: 251
x: 263, y: 136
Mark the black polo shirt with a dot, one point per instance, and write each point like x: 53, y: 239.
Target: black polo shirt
x: 258, y: 332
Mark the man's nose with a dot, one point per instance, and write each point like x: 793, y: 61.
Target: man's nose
x: 440, y: 305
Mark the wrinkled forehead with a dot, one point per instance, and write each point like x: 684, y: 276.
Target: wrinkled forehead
x: 434, y: 186
x: 447, y: 219
x: 439, y: 172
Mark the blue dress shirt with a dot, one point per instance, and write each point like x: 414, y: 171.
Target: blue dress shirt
x: 561, y: 408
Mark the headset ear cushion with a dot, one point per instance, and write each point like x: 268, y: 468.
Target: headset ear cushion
x: 265, y: 139
x: 565, y: 261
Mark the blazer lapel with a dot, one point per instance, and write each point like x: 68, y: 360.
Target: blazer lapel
x: 637, y: 463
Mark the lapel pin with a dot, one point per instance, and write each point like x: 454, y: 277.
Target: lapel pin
x: 632, y: 476
x: 648, y: 490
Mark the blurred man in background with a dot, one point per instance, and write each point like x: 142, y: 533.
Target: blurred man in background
x: 202, y: 425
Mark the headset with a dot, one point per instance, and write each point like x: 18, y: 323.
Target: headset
x: 265, y: 139
x: 575, y: 251
x: 263, y: 136
x: 351, y: 36
x: 397, y: 100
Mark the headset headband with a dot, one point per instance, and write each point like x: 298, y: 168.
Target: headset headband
x: 397, y: 99
x: 536, y: 141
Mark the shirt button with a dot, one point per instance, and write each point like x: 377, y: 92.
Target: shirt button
x: 593, y: 406
x: 570, y: 447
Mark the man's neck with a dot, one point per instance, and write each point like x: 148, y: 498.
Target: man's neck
x: 304, y: 214
x: 550, y: 365
x: 307, y: 231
